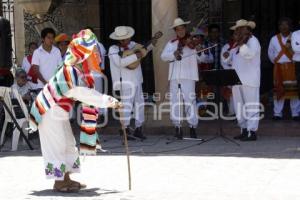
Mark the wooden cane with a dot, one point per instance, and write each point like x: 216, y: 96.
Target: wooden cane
x: 126, y: 147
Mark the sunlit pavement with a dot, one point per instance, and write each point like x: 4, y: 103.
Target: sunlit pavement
x: 184, y: 170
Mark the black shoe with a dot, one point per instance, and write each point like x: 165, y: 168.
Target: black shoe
x: 139, y: 134
x: 242, y: 135
x: 250, y: 137
x: 178, y: 133
x: 297, y: 118
x: 193, y: 133
x: 277, y: 118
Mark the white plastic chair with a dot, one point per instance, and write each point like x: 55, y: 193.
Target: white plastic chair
x: 7, y: 93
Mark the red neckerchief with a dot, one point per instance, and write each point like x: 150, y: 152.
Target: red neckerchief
x: 31, y: 73
x: 29, y: 58
x: 124, y: 47
x: 232, y: 44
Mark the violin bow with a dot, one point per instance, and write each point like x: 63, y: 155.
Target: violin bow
x: 202, y: 50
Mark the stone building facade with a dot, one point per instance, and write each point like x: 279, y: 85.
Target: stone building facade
x: 72, y: 15
x: 68, y: 16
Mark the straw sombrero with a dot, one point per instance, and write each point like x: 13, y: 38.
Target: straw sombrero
x: 179, y: 22
x: 243, y: 22
x: 122, y: 33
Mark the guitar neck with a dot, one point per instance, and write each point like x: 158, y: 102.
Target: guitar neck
x: 157, y: 35
x: 148, y: 44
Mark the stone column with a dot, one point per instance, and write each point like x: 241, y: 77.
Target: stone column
x: 163, y: 14
x: 1, y: 14
x: 19, y: 32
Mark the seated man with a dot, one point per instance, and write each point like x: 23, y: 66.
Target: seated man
x: 22, y: 86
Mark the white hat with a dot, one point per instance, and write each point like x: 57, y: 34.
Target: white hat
x: 179, y: 22
x: 198, y: 31
x: 122, y: 33
x: 243, y: 22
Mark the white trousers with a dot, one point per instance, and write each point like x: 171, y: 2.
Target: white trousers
x: 230, y: 104
x: 58, y: 144
x: 188, y: 96
x: 98, y: 82
x: 133, y: 100
x: 294, y: 106
x: 246, y: 106
x: 99, y: 86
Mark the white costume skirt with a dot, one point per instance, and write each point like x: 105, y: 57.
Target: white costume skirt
x: 58, y: 144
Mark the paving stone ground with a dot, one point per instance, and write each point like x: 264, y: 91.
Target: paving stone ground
x: 268, y: 169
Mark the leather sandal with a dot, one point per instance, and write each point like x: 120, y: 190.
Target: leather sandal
x: 67, y: 187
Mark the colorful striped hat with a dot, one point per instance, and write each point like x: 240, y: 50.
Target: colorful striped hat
x: 63, y: 37
x: 81, y: 47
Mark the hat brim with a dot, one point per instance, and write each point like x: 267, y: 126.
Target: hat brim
x: 62, y: 38
x: 130, y: 33
x: 198, y: 34
x: 250, y: 24
x: 180, y: 24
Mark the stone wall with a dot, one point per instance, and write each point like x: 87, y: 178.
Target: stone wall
x: 69, y: 17
x: 194, y: 10
x: 222, y: 12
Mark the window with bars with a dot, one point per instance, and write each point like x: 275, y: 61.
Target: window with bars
x: 8, y: 13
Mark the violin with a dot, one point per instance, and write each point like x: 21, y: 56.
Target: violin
x: 191, y: 42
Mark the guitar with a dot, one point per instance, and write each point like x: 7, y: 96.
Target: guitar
x: 142, y: 48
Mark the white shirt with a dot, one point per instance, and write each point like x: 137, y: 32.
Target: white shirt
x: 99, y: 76
x: 102, y: 52
x: 47, y: 62
x: 187, y: 68
x: 25, y: 64
x: 22, y: 90
x: 118, y: 68
x: 205, y: 58
x: 296, y: 45
x: 225, y: 65
x: 246, y: 62
x: 275, y: 48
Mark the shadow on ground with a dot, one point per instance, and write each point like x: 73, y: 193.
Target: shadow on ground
x: 265, y: 147
x: 92, y: 192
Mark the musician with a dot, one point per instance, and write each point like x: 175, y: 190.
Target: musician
x: 214, y: 37
x: 99, y: 76
x: 296, y: 57
x: 227, y: 91
x: 245, y: 58
x: 205, y: 57
x: 128, y: 81
x: 285, y: 84
x: 183, y: 74
x: 205, y: 60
